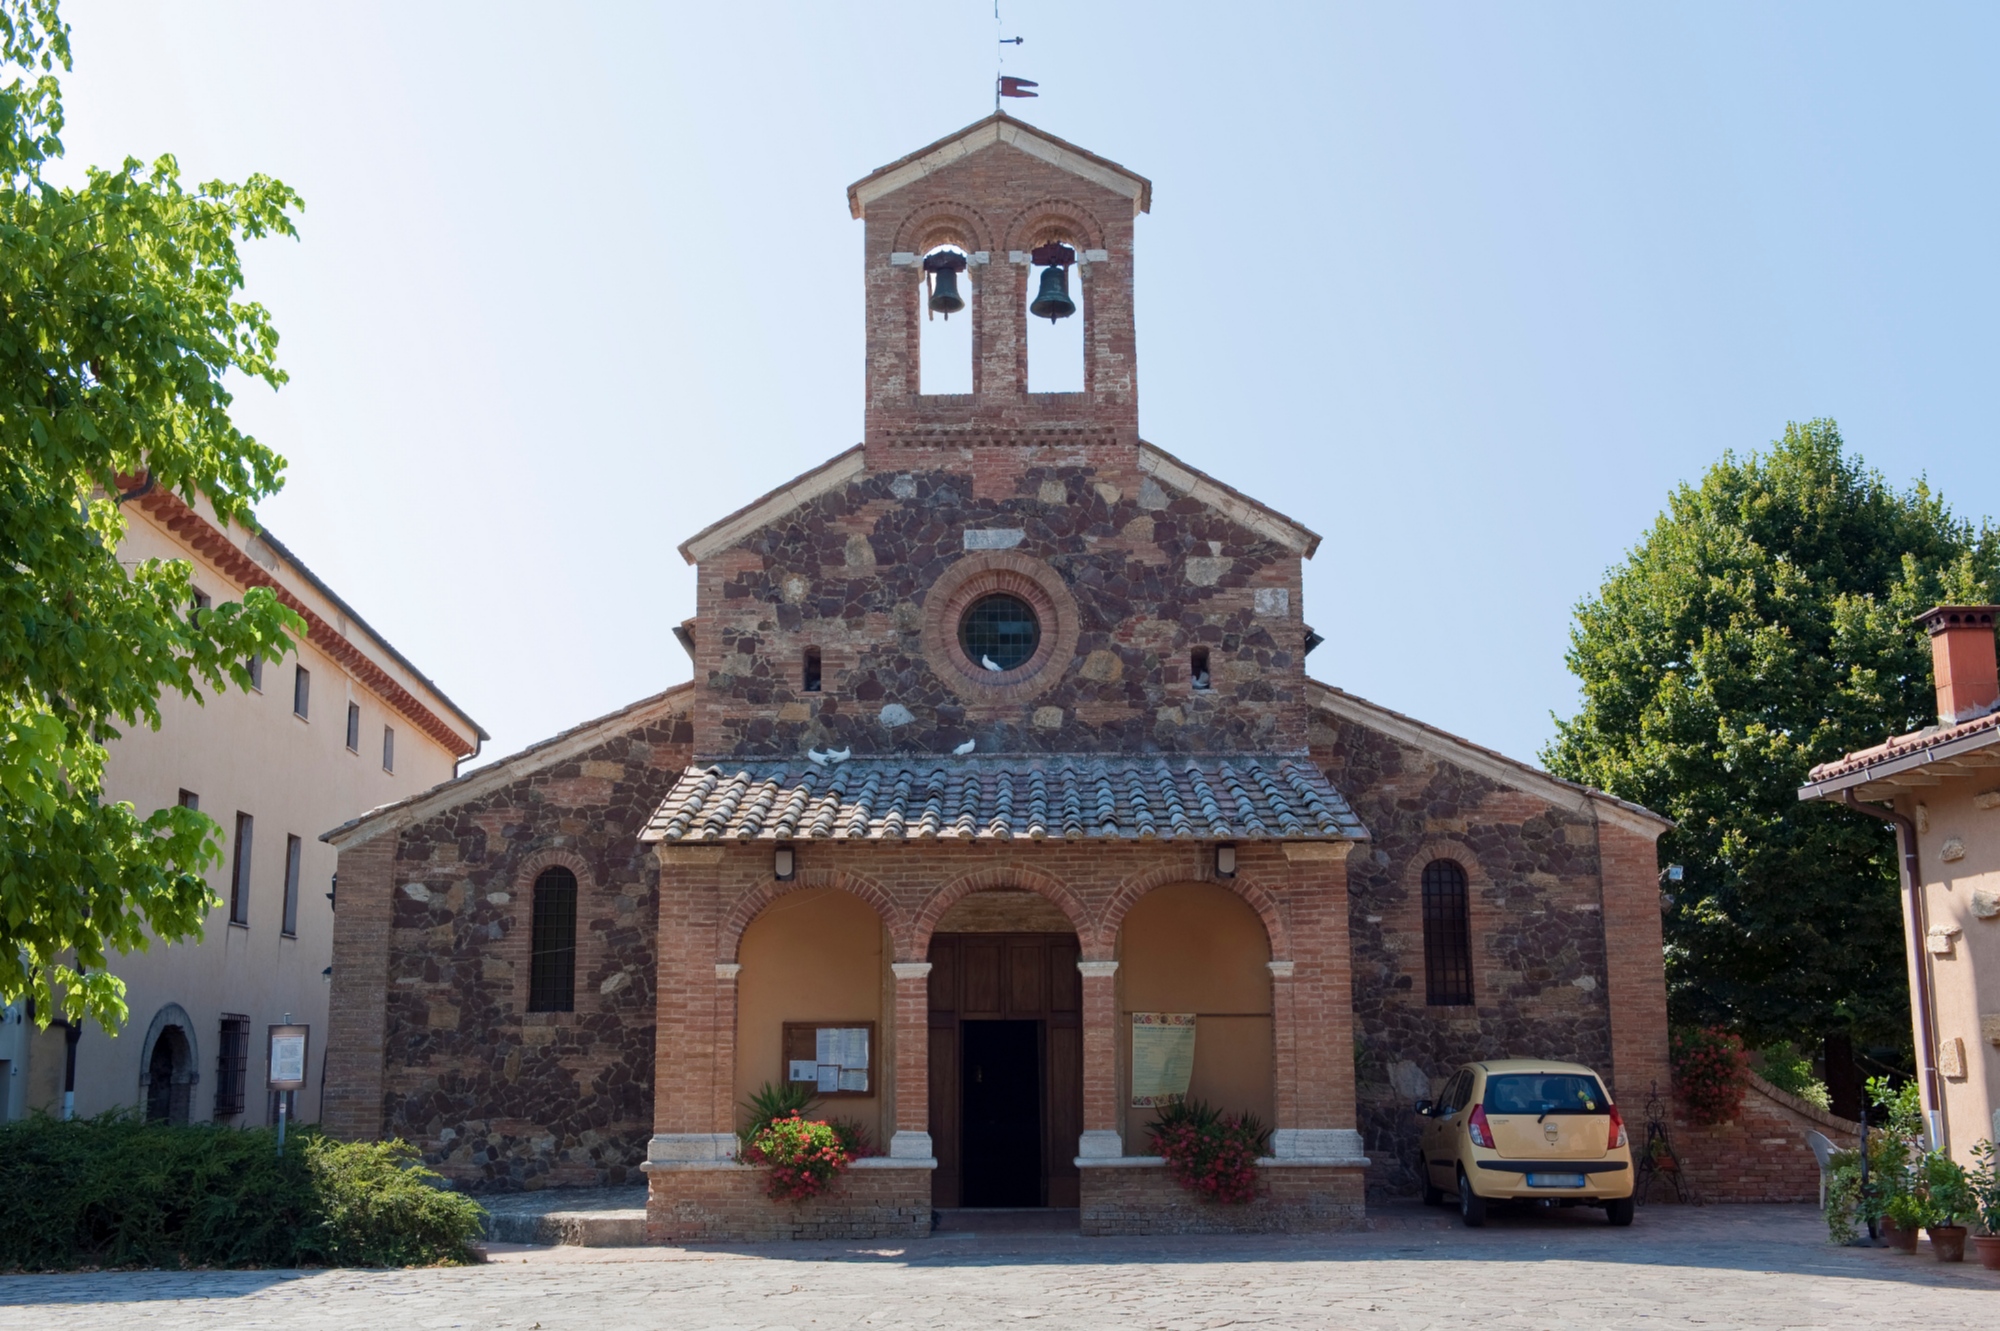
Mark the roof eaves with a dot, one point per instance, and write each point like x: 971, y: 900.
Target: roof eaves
x: 1940, y: 747
x: 556, y: 748
x: 984, y: 133
x: 1252, y: 513
x: 766, y: 509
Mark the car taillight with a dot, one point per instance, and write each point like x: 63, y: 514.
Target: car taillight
x: 1617, y: 1130
x: 1476, y: 1126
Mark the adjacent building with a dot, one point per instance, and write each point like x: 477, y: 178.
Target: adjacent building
x: 343, y: 725
x: 1940, y: 789
x: 999, y: 810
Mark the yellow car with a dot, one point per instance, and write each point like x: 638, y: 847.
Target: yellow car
x: 1521, y: 1129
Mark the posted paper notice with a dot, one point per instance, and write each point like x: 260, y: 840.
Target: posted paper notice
x: 1162, y: 1057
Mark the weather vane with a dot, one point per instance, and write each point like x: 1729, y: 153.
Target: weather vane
x: 1005, y: 84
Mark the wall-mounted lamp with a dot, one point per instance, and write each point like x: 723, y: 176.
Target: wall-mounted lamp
x: 784, y: 864
x: 1225, y: 861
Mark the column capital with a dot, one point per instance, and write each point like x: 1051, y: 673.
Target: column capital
x: 1280, y: 970
x: 1097, y: 970
x: 728, y: 970
x: 910, y: 970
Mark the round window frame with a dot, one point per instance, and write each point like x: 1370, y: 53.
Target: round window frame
x: 983, y: 574
x: 1034, y: 616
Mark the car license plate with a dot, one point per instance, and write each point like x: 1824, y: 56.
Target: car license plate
x: 1555, y: 1180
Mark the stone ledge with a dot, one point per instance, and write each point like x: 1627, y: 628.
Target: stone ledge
x: 1263, y: 1162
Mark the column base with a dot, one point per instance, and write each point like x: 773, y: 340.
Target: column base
x: 1339, y: 1146
x: 908, y: 1145
x: 1100, y: 1144
x: 691, y: 1148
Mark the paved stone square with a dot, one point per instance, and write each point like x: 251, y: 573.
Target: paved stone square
x: 1723, y: 1266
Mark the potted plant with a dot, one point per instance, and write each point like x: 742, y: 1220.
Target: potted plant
x: 1211, y: 1154
x: 1985, y: 1184
x: 1945, y: 1203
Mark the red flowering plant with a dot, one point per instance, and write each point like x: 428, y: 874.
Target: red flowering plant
x: 1711, y: 1074
x: 804, y: 1156
x: 1209, y: 1152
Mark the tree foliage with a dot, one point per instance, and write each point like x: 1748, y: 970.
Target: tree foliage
x: 121, y: 322
x: 1763, y: 626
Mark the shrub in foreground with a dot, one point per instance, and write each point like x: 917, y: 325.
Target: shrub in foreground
x: 114, y: 1191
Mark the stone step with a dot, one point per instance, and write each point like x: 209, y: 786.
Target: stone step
x: 582, y: 1229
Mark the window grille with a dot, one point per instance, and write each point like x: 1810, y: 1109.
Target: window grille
x: 552, y: 943
x: 1001, y: 630
x: 232, y: 1065
x: 1447, y: 935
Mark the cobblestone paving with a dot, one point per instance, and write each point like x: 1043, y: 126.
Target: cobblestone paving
x: 1738, y: 1266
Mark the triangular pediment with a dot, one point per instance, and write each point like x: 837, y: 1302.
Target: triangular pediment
x: 995, y: 129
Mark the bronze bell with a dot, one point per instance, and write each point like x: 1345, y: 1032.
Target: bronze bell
x: 1052, y: 302
x: 944, y: 268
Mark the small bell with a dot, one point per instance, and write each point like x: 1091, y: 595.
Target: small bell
x: 943, y: 269
x: 1052, y: 302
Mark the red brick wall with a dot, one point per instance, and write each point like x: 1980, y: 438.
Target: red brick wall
x: 354, y: 1054
x: 1635, y: 962
x: 729, y: 1205
x: 1144, y: 1199
x: 1761, y: 1157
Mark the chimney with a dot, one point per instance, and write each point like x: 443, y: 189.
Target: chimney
x: 1968, y: 679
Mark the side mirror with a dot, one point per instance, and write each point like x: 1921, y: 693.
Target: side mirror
x: 1424, y: 1108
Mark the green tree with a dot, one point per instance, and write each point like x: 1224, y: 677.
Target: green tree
x: 1762, y: 626
x: 120, y: 325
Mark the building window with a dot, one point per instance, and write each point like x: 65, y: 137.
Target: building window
x: 189, y: 800
x: 1198, y: 668
x: 301, y: 692
x: 239, y: 878
x: 811, y: 684
x: 388, y: 749
x: 552, y: 943
x: 1447, y: 935
x: 293, y: 849
x: 198, y: 601
x: 255, y: 665
x: 354, y: 726
x: 999, y: 632
x: 232, y: 1065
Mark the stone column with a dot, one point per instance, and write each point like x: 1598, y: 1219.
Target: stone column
x: 1101, y: 1136
x: 912, y: 1139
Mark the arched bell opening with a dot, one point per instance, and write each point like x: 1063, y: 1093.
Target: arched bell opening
x: 944, y: 321
x: 815, y: 973
x: 1194, y: 950
x: 1055, y: 319
x: 1006, y: 1052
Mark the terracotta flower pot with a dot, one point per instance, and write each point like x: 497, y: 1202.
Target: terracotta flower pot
x: 1947, y: 1242
x: 1893, y: 1234
x: 1988, y: 1246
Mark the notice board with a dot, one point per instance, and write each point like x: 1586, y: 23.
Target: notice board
x: 836, y: 1058
x: 1162, y: 1057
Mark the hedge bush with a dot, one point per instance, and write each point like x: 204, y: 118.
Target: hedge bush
x: 114, y: 1191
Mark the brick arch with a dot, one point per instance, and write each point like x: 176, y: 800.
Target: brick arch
x: 925, y: 227
x: 1253, y: 893
x: 549, y: 857
x: 1001, y: 878
x: 1041, y: 220
x: 749, y: 907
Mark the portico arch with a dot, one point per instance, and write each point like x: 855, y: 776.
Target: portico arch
x: 1000, y: 878
x: 754, y: 903
x: 1201, y: 869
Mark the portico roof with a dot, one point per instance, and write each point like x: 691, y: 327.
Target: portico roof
x: 1066, y: 797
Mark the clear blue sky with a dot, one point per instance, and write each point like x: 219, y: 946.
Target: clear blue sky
x: 1467, y: 288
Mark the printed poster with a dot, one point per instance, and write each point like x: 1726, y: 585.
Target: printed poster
x: 1162, y: 1057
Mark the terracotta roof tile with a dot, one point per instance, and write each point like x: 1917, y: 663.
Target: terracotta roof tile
x: 1060, y: 797
x: 1902, y: 745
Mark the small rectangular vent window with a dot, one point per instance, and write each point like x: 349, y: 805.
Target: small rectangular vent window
x: 812, y: 670
x: 1198, y: 668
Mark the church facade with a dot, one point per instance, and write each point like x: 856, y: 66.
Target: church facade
x: 999, y: 809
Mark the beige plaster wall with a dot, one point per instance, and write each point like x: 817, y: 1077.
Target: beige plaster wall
x: 1196, y: 947
x: 247, y: 752
x: 1966, y: 973
x: 818, y: 955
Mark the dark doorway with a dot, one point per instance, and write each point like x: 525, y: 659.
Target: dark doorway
x: 1003, y: 1113
x: 166, y: 1088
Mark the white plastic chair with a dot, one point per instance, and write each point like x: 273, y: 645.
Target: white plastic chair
x: 1822, y: 1149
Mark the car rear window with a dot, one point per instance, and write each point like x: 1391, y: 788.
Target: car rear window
x: 1545, y: 1093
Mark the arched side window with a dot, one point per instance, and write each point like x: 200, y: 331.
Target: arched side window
x: 552, y: 943
x: 1447, y: 935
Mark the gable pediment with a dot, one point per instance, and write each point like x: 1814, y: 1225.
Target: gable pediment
x: 994, y: 130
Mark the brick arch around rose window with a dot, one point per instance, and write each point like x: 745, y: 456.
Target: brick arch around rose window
x: 517, y: 944
x: 753, y: 903
x: 1199, y: 870
x: 999, y: 878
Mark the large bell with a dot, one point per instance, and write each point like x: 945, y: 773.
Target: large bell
x: 1052, y: 302
x: 944, y: 268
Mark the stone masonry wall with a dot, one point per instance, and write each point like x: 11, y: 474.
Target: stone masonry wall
x: 496, y: 1096
x: 1538, y: 953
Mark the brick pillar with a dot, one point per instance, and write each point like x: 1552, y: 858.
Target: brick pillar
x: 912, y: 1139
x: 1316, y: 1074
x: 1635, y: 977
x: 364, y: 913
x: 1101, y: 1136
x: 694, y: 1069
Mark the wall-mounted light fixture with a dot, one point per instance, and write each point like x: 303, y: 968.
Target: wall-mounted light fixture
x: 784, y: 864
x: 1225, y: 861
